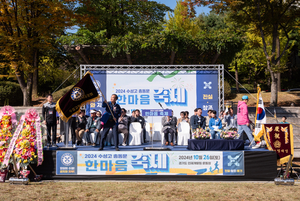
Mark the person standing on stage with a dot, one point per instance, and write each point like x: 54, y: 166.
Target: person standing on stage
x: 93, y: 125
x: 111, y: 121
x: 169, y: 126
x: 141, y: 120
x: 80, y: 126
x: 50, y: 120
x: 198, y: 121
x: 73, y: 126
x: 243, y: 120
x: 123, y: 126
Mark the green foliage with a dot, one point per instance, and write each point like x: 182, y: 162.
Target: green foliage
x: 58, y: 94
x: 118, y: 17
x: 10, y: 93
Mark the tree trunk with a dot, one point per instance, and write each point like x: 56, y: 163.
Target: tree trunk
x: 278, y: 63
x: 237, y: 79
x: 25, y: 87
x: 274, y: 87
x: 279, y: 82
x: 35, y: 75
x: 35, y: 84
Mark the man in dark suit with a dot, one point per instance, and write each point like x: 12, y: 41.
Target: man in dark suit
x: 197, y: 120
x: 111, y: 121
x: 169, y: 126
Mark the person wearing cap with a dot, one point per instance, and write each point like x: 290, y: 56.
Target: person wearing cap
x: 110, y: 121
x: 243, y: 120
x: 93, y: 126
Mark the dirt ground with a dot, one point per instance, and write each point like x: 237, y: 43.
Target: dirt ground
x: 149, y: 191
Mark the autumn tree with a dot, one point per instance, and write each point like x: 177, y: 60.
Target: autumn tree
x: 28, y: 28
x: 273, y: 18
x: 180, y: 22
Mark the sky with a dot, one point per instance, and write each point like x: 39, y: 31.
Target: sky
x: 170, y: 3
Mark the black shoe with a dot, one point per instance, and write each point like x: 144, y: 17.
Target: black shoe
x: 117, y: 149
x: 78, y: 143
x: 101, y: 148
x: 54, y: 145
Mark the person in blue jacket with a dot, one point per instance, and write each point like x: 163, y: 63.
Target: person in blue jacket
x: 215, y: 123
x: 110, y: 121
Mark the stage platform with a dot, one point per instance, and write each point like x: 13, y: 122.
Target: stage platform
x: 254, y: 165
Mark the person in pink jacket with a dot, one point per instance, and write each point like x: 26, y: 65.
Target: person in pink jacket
x: 243, y: 120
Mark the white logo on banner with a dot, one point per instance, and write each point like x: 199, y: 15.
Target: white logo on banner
x: 67, y: 159
x: 233, y: 161
x: 207, y: 85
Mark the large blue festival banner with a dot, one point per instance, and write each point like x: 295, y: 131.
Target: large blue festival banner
x: 229, y: 163
x: 207, y: 91
x: 176, y: 90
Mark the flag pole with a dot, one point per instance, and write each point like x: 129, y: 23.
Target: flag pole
x: 257, y: 101
x: 104, y: 98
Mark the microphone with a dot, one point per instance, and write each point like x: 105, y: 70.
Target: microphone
x: 160, y: 105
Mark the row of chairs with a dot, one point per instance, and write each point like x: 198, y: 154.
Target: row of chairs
x: 136, y: 134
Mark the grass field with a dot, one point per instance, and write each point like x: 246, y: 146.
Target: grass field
x: 149, y: 191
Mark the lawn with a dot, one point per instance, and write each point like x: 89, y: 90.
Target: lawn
x: 149, y: 191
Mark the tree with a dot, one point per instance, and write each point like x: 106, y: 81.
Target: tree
x: 274, y: 18
x: 119, y: 17
x: 28, y: 28
x: 181, y: 23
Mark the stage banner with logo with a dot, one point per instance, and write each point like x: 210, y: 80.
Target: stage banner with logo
x: 229, y: 163
x: 66, y: 163
x: 279, y: 138
x: 177, y: 90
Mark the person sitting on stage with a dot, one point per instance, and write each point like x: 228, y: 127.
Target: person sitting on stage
x: 231, y: 119
x: 111, y: 121
x: 198, y: 121
x: 98, y: 114
x: 182, y: 118
x: 169, y: 126
x: 138, y: 118
x: 80, y: 126
x: 187, y: 115
x: 132, y: 116
x: 244, y: 121
x: 93, y: 126
x: 123, y: 126
x: 215, y: 124
x: 209, y: 112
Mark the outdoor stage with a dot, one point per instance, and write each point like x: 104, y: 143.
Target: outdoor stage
x: 256, y: 165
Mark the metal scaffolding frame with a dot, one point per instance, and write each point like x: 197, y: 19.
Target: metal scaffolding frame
x: 149, y: 69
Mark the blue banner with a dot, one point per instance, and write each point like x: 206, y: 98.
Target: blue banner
x: 207, y: 91
x: 229, y: 163
x: 155, y: 112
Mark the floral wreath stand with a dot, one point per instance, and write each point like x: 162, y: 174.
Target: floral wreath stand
x: 25, y: 147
